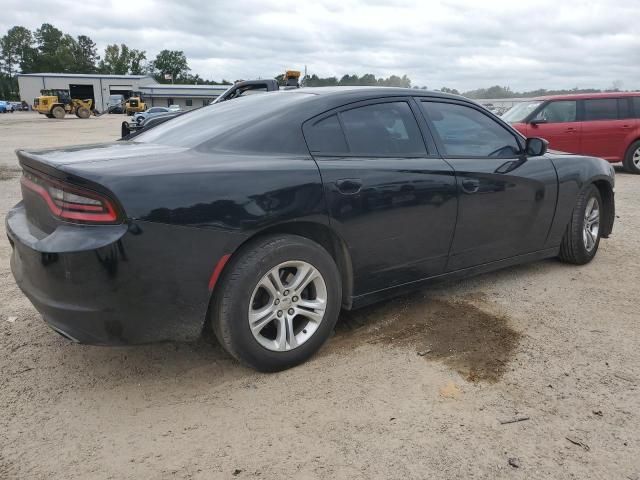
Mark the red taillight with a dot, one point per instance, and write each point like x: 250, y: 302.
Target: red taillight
x: 70, y: 202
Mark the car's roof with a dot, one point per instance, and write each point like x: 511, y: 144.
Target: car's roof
x: 364, y: 90
x: 583, y: 96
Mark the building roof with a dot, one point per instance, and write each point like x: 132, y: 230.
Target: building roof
x: 171, y: 86
x: 83, y: 75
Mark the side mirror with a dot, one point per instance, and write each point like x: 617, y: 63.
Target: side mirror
x: 534, y: 147
x: 538, y: 121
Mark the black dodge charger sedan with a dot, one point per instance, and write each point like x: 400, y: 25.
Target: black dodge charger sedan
x: 261, y: 218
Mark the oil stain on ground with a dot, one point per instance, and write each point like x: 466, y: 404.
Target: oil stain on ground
x: 7, y: 173
x: 458, y: 333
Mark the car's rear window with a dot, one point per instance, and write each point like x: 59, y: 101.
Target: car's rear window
x: 234, y: 124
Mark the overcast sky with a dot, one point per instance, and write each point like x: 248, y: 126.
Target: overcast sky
x: 461, y: 44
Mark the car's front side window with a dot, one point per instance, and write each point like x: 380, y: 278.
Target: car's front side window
x: 466, y: 132
x: 382, y: 129
x: 559, y: 111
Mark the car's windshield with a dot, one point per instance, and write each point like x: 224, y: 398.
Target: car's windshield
x: 520, y: 111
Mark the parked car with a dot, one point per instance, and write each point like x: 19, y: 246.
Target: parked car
x: 261, y: 218
x: 7, y: 107
x: 138, y: 117
x: 115, y: 103
x: 174, y: 108
x: 605, y: 125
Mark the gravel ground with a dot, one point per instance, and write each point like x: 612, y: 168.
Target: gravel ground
x: 412, y: 388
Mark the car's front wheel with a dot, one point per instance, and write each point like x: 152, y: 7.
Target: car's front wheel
x: 277, y: 302
x: 582, y: 237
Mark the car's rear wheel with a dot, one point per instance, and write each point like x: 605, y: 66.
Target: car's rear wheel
x: 632, y: 159
x: 582, y: 237
x: 277, y: 302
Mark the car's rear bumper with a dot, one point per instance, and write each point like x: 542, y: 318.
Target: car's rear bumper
x: 119, y: 284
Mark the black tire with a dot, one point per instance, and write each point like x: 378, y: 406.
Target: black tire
x: 230, y: 307
x: 48, y: 115
x: 83, y: 112
x: 631, y: 161
x: 573, y: 248
x: 58, y: 112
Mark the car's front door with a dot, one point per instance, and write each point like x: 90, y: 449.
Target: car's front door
x: 506, y: 200
x: 389, y: 196
x: 557, y: 122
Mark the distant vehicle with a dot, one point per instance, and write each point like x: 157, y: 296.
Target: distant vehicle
x: 605, y: 125
x: 174, y: 108
x: 260, y: 219
x: 134, y: 104
x: 140, y: 116
x: 115, y: 104
x: 3, y: 106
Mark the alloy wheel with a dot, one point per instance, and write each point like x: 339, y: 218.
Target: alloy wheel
x: 591, y: 227
x: 287, y: 306
x: 635, y: 158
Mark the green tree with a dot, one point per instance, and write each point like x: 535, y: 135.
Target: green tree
x: 85, y: 55
x: 55, y: 51
x: 137, y: 64
x: 117, y: 60
x: 16, y: 47
x: 171, y: 62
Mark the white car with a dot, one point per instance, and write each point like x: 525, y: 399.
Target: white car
x: 174, y: 108
x: 139, y: 117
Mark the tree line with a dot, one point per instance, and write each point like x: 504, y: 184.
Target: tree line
x: 49, y: 49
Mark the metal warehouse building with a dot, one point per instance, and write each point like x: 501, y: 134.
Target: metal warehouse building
x: 187, y: 96
x: 99, y: 87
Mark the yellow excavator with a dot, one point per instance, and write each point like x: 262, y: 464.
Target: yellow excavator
x: 56, y: 103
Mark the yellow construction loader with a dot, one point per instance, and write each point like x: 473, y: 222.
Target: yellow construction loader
x: 57, y: 103
x: 134, y: 104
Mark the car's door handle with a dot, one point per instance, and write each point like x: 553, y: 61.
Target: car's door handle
x: 349, y: 186
x: 570, y: 130
x: 470, y: 185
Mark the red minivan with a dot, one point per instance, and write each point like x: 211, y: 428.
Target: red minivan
x: 605, y: 125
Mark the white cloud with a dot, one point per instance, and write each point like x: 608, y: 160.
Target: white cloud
x: 461, y: 44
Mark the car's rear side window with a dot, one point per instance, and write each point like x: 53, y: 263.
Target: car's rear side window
x: 636, y: 106
x: 466, y: 132
x: 378, y: 129
x: 325, y: 136
x: 624, y: 110
x: 383, y: 129
x: 601, y: 109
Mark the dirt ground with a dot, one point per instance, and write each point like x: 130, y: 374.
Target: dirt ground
x: 418, y: 387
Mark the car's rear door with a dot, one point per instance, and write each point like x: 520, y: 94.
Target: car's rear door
x: 557, y: 122
x: 506, y: 201
x: 606, y: 127
x: 389, y: 195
